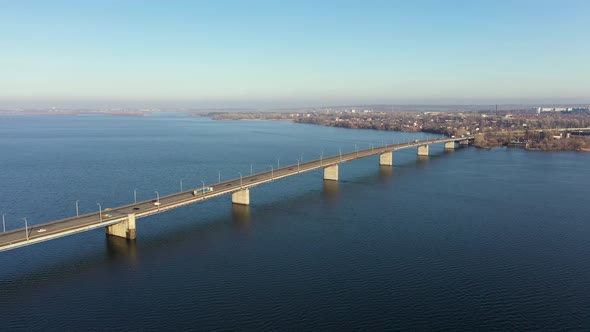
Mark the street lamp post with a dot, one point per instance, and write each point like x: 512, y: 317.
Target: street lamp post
x: 135, y: 195
x: 321, y: 157
x: 356, y: 149
x: 297, y: 165
x: 26, y: 229
x: 181, y: 185
x: 219, y: 176
x: 157, y: 200
x: 250, y: 169
x: 77, y: 211
x: 340, y: 152
x: 3, y: 223
x: 278, y: 163
x: 240, y: 180
x: 203, y: 190
x: 272, y: 177
x: 99, y: 212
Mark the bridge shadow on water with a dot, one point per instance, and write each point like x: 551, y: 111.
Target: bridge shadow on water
x: 385, y: 173
x: 118, y: 247
x: 118, y: 251
x: 423, y: 160
x: 330, y: 192
x: 240, y: 215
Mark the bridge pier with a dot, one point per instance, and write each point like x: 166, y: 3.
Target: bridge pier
x: 241, y: 197
x: 386, y: 159
x: 124, y: 229
x: 331, y: 173
x: 464, y: 142
x: 450, y: 145
x: 423, y: 150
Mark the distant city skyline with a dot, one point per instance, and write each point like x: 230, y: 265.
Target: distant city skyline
x: 293, y: 53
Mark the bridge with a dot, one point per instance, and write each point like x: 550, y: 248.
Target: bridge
x: 121, y: 221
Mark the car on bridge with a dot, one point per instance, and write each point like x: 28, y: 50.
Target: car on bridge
x: 202, y: 191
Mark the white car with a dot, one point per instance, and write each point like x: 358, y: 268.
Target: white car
x: 41, y: 230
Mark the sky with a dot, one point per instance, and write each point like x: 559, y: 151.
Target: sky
x: 202, y: 54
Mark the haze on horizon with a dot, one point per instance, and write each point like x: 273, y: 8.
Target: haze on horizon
x: 292, y: 53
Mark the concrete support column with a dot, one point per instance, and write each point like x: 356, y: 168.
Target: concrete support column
x: 386, y: 159
x: 449, y: 145
x: 241, y: 197
x: 124, y: 229
x: 464, y: 142
x: 331, y: 173
x: 423, y: 150
x: 131, y: 232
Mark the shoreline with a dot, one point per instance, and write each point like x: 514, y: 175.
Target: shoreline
x: 212, y: 117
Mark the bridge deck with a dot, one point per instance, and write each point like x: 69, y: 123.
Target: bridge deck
x: 55, y: 229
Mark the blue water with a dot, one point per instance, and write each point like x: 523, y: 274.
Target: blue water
x: 470, y: 239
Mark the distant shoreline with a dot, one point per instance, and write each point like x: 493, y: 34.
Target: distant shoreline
x: 282, y: 117
x: 276, y: 120
x: 72, y: 114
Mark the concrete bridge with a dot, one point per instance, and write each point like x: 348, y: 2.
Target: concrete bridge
x: 121, y: 221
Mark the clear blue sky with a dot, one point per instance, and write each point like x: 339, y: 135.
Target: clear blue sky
x: 293, y: 53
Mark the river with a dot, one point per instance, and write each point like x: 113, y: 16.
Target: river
x: 468, y: 239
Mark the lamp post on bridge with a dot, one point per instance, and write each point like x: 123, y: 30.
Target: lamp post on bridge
x: 26, y: 229
x: 181, y: 185
x: 356, y: 149
x: 251, y: 169
x: 297, y: 165
x: 3, y: 223
x: 203, y: 190
x: 340, y: 152
x: 135, y: 195
x: 278, y: 163
x: 218, y: 176
x: 99, y: 212
x: 77, y: 210
x: 240, y: 179
x: 157, y: 203
x: 271, y: 172
x: 321, y: 157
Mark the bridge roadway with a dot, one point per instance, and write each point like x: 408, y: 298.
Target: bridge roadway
x: 56, y: 229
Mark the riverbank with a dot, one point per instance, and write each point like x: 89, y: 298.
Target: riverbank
x: 488, y: 139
